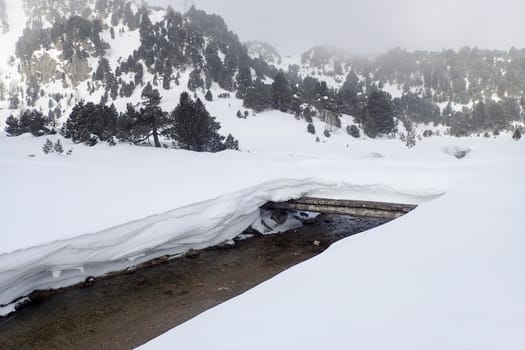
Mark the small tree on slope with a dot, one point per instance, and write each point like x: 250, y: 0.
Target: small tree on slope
x: 517, y: 134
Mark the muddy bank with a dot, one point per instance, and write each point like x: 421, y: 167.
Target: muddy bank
x: 127, y: 310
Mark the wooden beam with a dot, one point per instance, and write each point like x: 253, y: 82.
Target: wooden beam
x: 345, y: 207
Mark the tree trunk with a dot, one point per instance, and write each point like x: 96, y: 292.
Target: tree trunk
x: 156, y: 138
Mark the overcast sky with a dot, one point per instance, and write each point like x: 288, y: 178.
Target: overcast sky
x: 372, y: 26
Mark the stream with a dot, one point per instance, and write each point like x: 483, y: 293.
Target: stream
x: 125, y: 310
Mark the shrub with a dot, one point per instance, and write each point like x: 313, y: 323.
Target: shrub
x: 353, y: 131
x: 311, y: 128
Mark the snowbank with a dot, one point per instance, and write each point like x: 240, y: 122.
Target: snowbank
x: 102, y: 209
x: 195, y: 226
x: 449, y: 275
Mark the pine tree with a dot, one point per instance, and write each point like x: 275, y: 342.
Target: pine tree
x: 311, y: 128
x: 496, y: 116
x: 231, y: 143
x: 410, y: 140
x: 370, y: 127
x: 353, y: 131
x: 58, y: 147
x: 88, y: 123
x: 208, y: 96
x: 258, y: 97
x: 381, y: 112
x: 244, y: 80
x: 348, y: 93
x: 13, y: 127
x: 34, y: 122
x: 152, y: 115
x: 214, y: 66
x: 147, y: 38
x: 517, y: 134
x: 192, y: 127
x: 103, y: 70
x: 281, y: 93
x: 195, y: 81
x: 479, y: 116
x: 48, y: 147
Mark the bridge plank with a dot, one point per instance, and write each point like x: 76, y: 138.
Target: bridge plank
x: 345, y: 207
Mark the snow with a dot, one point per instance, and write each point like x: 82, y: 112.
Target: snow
x: 103, y: 209
x: 16, y: 19
x: 417, y: 283
x: 394, y: 90
x: 449, y: 275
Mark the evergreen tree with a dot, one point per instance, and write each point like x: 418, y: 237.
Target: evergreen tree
x: 58, y: 148
x: 496, y: 116
x: 13, y: 127
x: 14, y: 101
x: 139, y: 73
x: 166, y: 78
x: 208, y: 96
x: 192, y: 127
x: 281, y: 93
x: 517, y: 134
x: 103, y: 69
x: 258, y: 97
x: 34, y: 122
x: 370, y: 127
x: 152, y: 115
x: 311, y: 128
x: 231, y: 143
x: 244, y: 80
x: 195, y: 81
x: 410, y: 140
x: 147, y: 38
x: 48, y: 147
x: 380, y: 111
x: 214, y: 66
x: 349, y: 92
x: 88, y: 123
x: 353, y: 131
x: 479, y: 116
x: 130, y: 128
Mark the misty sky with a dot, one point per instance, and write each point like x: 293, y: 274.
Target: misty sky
x: 373, y: 26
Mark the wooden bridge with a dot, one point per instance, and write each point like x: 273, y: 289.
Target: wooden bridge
x: 344, y: 207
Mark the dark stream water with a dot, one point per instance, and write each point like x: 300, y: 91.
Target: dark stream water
x: 126, y: 310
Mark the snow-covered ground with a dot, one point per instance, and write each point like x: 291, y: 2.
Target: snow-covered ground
x: 448, y: 275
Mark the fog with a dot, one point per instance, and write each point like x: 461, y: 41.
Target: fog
x: 368, y: 27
